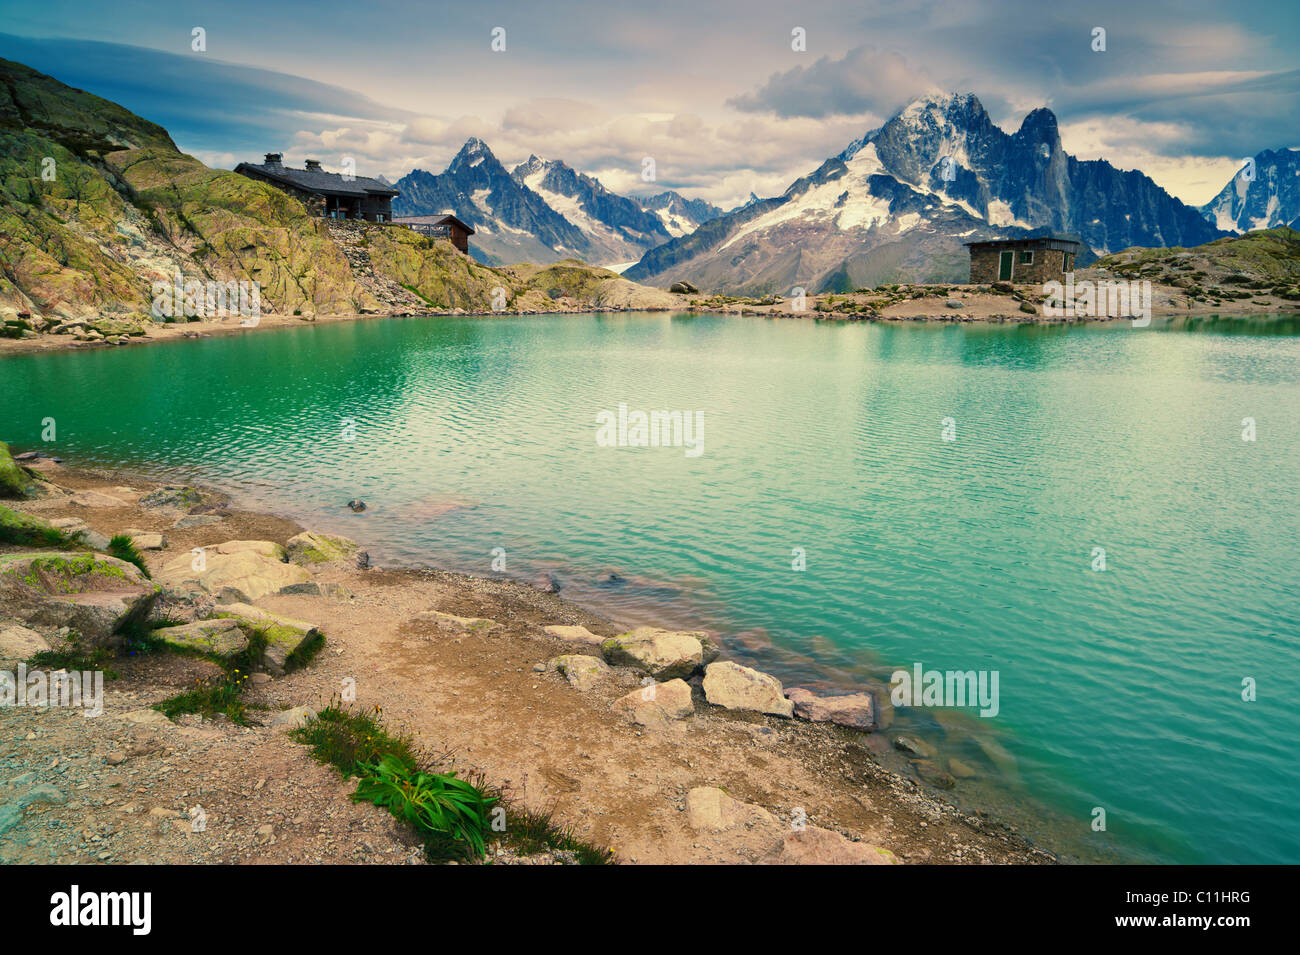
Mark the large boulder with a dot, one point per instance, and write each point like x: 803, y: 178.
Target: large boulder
x: 221, y: 637
x: 582, y: 672
x: 18, y: 644
x: 735, y: 687
x: 854, y: 710
x: 285, y: 636
x: 816, y: 846
x: 240, y: 570
x: 657, y: 704
x: 93, y: 594
x: 663, y: 654
x: 309, y: 548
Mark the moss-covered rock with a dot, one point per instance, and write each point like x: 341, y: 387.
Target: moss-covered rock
x: 310, y: 548
x: 93, y: 594
x: 25, y: 530
x: 13, y: 479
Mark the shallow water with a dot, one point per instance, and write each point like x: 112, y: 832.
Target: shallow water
x: 1119, y: 688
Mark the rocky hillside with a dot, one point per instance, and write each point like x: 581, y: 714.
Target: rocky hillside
x: 1259, y: 267
x: 897, y: 205
x: 1264, y: 197
x: 97, y: 204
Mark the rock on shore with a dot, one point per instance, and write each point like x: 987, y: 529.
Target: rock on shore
x: 736, y: 687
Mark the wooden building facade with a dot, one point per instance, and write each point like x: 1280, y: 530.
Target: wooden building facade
x: 439, y: 227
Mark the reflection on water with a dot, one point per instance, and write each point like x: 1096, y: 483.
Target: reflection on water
x: 1119, y: 689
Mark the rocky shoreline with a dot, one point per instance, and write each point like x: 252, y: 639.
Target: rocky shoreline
x: 643, y: 740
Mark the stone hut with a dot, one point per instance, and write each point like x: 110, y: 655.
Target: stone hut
x: 1027, y: 261
x: 330, y: 195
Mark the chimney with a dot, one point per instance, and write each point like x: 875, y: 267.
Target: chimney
x: 313, y: 165
x: 273, y: 159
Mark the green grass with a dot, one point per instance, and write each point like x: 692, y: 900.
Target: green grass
x: 27, y: 531
x: 122, y: 547
x: 224, y: 695
x: 218, y: 695
x: 74, y: 656
x: 358, y: 744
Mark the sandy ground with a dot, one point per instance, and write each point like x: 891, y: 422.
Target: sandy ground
x: 476, y: 695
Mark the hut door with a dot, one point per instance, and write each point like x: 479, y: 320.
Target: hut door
x: 1004, y: 266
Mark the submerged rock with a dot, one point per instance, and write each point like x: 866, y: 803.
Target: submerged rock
x: 916, y: 748
x: 357, y: 505
x: 736, y: 687
x: 854, y: 710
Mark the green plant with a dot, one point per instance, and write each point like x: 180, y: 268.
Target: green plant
x: 210, y: 697
x: 436, y: 803
x: 122, y: 546
x: 27, y: 531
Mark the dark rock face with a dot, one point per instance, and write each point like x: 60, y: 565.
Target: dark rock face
x: 679, y: 214
x: 897, y: 204
x: 1269, y: 200
x: 622, y: 216
x: 478, y: 190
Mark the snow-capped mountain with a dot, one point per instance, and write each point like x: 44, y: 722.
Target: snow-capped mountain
x: 680, y: 215
x: 511, y: 222
x: 1268, y: 200
x: 616, y: 229
x: 897, y: 204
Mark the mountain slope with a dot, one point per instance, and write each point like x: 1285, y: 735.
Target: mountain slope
x: 897, y: 204
x: 1270, y: 200
x: 97, y: 204
x: 615, y: 229
x: 680, y: 216
x: 511, y: 222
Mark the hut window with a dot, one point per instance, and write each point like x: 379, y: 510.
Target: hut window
x: 1026, y: 258
x: 1067, y: 262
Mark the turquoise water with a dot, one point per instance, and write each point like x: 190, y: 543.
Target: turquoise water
x: 1119, y: 688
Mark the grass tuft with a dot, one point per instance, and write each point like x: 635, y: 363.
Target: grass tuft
x: 122, y: 546
x: 405, y: 780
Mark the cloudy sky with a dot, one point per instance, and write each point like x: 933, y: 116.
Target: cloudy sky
x: 715, y: 92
